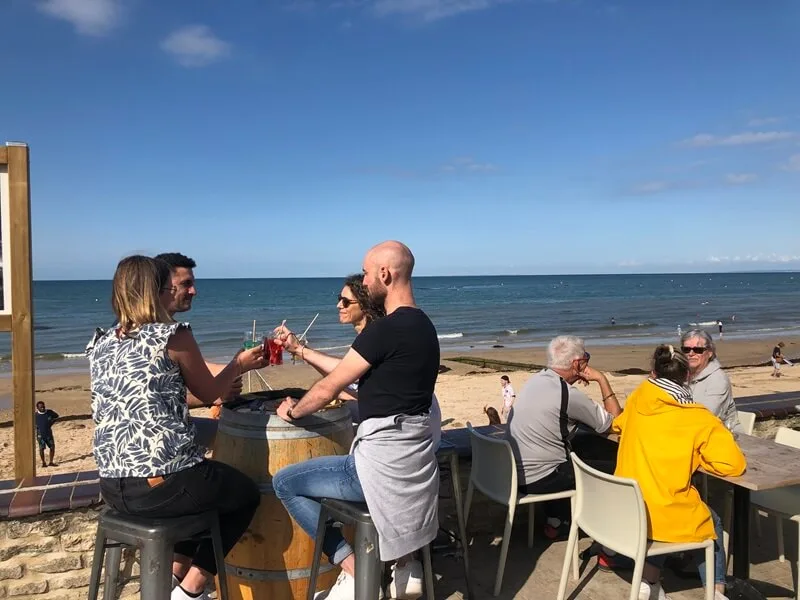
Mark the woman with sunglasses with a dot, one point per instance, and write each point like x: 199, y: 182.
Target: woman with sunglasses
x: 709, y: 384
x: 356, y: 309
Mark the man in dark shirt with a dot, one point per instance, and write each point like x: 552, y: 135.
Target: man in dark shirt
x: 44, y: 431
x: 395, y: 361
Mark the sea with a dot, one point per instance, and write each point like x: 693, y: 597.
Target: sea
x: 469, y: 312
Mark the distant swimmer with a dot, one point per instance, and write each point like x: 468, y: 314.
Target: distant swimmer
x: 719, y: 325
x: 733, y: 318
x: 613, y: 321
x: 680, y: 332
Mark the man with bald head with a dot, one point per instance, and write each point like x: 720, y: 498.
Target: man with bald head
x: 392, y: 465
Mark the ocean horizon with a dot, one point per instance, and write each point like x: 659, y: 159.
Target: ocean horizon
x: 469, y: 312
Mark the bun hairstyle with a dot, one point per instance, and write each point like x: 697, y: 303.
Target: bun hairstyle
x: 670, y: 363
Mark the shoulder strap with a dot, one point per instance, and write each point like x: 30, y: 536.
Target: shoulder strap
x: 563, y: 418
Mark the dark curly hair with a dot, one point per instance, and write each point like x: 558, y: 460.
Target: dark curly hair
x: 371, y: 310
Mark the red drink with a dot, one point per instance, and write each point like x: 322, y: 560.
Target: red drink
x: 275, y: 352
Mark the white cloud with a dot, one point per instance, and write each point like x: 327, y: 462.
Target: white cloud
x: 195, y: 46
x: 772, y: 258
x: 706, y: 140
x: 651, y: 187
x: 431, y: 10
x: 466, y: 164
x: 759, y: 122
x: 740, y: 178
x: 89, y: 17
x: 793, y: 164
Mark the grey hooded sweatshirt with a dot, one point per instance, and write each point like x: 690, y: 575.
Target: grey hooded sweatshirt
x: 712, y: 388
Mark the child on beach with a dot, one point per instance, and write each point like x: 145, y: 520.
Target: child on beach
x: 664, y: 438
x: 778, y: 359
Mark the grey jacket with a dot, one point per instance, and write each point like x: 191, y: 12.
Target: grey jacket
x: 712, y: 389
x: 397, y: 468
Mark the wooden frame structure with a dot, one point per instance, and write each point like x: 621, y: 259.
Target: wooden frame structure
x: 14, y: 163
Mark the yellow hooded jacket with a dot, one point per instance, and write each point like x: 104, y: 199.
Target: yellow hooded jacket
x: 664, y: 438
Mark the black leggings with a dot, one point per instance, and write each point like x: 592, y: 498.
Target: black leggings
x: 209, y: 485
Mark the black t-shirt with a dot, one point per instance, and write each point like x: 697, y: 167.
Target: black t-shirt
x: 776, y: 352
x: 403, y: 352
x: 44, y: 422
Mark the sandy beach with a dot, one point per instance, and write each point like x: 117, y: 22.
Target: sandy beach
x: 463, y: 390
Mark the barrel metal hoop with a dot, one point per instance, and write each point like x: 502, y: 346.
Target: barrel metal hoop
x: 263, y: 575
x: 295, y: 433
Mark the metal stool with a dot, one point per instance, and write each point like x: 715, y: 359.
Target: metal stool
x: 155, y: 539
x: 365, y: 545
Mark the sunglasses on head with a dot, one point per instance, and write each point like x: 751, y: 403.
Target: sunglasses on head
x: 695, y: 349
x: 346, y: 302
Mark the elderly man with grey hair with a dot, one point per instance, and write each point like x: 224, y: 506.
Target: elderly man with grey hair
x: 545, y: 417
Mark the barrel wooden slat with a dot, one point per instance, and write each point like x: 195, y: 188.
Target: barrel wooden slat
x: 273, y: 558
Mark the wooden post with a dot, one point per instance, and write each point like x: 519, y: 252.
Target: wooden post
x: 22, y: 368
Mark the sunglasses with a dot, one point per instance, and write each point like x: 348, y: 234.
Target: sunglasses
x: 346, y: 302
x: 586, y: 357
x: 695, y: 349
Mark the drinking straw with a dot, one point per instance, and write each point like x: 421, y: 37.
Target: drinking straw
x: 307, y: 328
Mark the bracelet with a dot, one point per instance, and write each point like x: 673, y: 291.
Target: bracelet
x: 302, y: 349
x: 609, y: 396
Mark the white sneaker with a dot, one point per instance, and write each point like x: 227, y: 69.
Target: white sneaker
x: 654, y: 591
x: 406, y: 583
x: 343, y: 589
x: 179, y: 594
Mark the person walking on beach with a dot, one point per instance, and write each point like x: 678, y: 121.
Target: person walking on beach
x: 182, y: 291
x: 778, y: 359
x: 508, y: 395
x: 44, y: 431
x: 719, y: 326
x: 392, y: 465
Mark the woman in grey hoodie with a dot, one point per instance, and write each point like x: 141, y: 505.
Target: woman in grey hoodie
x: 709, y: 383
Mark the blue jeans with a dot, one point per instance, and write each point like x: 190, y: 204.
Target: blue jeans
x: 719, y: 555
x: 300, y: 486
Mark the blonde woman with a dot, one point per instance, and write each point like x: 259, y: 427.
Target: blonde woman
x: 144, y: 443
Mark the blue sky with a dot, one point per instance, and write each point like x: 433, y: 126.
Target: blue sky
x: 284, y: 137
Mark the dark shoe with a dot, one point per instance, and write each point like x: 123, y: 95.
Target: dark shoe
x: 613, y: 563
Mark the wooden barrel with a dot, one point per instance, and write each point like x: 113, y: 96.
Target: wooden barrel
x: 273, y: 558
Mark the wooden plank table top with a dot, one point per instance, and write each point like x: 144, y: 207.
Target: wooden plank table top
x: 769, y: 465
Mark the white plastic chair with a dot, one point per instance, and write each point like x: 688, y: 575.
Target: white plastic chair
x: 747, y: 420
x: 611, y: 511
x: 494, y: 473
x: 783, y: 503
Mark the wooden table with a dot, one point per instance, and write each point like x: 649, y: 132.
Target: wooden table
x: 769, y: 466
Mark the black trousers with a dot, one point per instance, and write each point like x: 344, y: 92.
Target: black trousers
x: 595, y: 451
x: 209, y: 485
